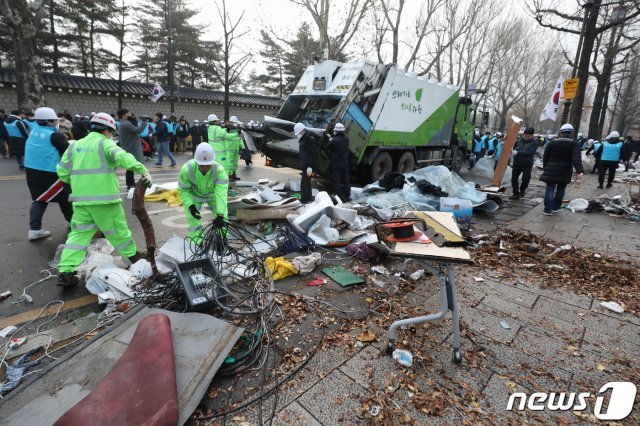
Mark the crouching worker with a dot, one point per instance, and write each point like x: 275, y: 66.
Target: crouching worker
x: 201, y: 181
x: 89, y: 166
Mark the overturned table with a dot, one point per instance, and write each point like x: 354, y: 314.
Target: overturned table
x: 440, y: 261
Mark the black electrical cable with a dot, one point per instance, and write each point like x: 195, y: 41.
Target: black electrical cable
x: 281, y: 381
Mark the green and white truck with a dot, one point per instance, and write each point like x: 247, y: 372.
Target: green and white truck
x: 396, y: 121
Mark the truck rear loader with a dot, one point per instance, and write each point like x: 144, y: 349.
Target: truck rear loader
x: 395, y: 121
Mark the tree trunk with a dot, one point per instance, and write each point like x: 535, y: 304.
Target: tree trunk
x: 627, y: 97
x: 594, y: 131
x: 583, y: 66
x: 23, y: 26
x: 54, y: 37
x: 92, y: 53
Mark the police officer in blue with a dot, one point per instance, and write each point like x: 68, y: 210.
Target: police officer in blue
x: 609, y: 151
x: 43, y: 151
x: 18, y: 132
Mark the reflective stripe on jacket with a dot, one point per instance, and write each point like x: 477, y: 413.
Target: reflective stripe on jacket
x: 211, y: 187
x: 89, y: 165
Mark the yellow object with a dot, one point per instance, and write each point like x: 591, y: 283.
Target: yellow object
x: 171, y: 197
x: 570, y: 87
x: 280, y: 267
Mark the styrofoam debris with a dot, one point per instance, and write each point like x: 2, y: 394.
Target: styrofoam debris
x: 613, y: 306
x: 141, y: 269
x: 478, y: 279
x: 7, y: 331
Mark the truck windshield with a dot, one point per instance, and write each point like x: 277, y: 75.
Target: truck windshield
x: 312, y: 111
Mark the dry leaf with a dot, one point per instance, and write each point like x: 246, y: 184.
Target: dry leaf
x: 366, y: 336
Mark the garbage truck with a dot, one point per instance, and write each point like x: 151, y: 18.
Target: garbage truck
x: 395, y: 120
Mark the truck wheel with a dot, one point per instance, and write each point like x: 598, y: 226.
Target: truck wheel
x: 381, y: 165
x: 457, y: 160
x: 406, y: 163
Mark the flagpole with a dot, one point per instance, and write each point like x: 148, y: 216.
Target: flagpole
x: 170, y: 54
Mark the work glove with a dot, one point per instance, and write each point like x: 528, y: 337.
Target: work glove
x: 309, y: 171
x: 219, y: 221
x: 194, y: 212
x: 146, y: 179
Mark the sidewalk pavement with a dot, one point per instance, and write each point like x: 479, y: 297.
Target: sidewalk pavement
x: 556, y: 340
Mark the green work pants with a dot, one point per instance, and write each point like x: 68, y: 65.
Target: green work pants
x: 108, y: 218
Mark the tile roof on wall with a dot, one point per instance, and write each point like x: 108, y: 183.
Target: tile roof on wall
x: 132, y: 88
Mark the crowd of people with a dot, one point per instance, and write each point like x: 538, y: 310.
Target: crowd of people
x: 560, y: 154
x: 72, y: 161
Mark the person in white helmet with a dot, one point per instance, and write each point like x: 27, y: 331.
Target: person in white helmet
x: 339, y: 158
x: 43, y: 151
x: 609, y: 152
x: 89, y: 166
x: 559, y: 156
x: 203, y: 181
x: 308, y: 152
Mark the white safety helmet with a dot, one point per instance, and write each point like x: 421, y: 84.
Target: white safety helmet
x: 590, y: 141
x: 212, y: 117
x: 195, y: 121
x: 566, y: 128
x: 44, y: 113
x: 499, y: 134
x: 205, y: 155
x: 339, y: 127
x: 104, y: 119
x: 580, y: 135
x: 298, y: 129
x: 477, y: 133
x: 614, y: 135
x: 234, y: 119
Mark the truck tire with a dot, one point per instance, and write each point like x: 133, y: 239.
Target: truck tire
x: 381, y: 165
x: 457, y: 160
x: 406, y: 163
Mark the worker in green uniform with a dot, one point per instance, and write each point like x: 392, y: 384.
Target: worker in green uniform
x: 203, y: 180
x: 216, y: 138
x: 89, y: 166
x: 233, y: 145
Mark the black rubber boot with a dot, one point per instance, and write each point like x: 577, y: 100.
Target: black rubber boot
x: 139, y: 255
x: 67, y: 279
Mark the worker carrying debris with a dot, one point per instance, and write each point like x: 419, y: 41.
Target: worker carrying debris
x: 89, y: 166
x: 215, y: 137
x: 203, y: 180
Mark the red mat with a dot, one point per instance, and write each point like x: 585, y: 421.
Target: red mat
x: 141, y: 387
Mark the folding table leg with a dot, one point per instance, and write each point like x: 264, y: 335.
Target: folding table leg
x: 453, y: 307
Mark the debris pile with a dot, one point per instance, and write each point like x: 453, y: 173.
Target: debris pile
x: 562, y: 266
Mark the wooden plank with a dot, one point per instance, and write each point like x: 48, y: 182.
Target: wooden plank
x: 31, y: 315
x: 433, y: 250
x: 507, y: 147
x: 200, y: 343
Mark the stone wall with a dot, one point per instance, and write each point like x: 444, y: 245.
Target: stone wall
x: 89, y: 101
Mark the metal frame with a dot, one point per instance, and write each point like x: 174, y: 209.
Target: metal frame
x: 444, y: 270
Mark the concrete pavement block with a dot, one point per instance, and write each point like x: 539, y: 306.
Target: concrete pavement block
x: 334, y: 400
x: 294, y: 414
x: 372, y: 367
x: 488, y: 325
x: 561, y: 310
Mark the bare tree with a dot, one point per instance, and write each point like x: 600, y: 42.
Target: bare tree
x: 231, y: 63
x: 388, y: 22
x: 20, y: 20
x: 336, y: 40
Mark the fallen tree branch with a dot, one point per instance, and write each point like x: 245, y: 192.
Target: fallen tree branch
x: 147, y: 227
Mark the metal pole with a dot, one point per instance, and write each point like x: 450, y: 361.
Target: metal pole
x: 170, y: 54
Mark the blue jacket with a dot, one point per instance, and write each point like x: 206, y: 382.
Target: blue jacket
x: 16, y: 128
x: 526, y: 153
x: 498, y: 151
x: 40, y: 153
x: 610, y: 151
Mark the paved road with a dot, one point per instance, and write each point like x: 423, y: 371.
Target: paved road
x: 22, y: 260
